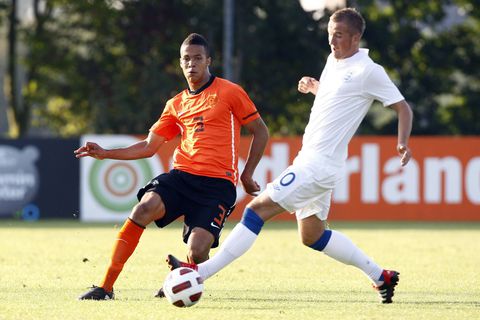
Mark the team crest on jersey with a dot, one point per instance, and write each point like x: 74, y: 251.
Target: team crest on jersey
x: 348, y: 76
x: 212, y: 100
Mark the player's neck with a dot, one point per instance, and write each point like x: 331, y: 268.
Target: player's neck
x: 349, y: 54
x: 194, y: 86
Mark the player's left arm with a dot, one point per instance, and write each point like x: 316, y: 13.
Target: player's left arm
x: 405, y: 118
x: 260, y: 138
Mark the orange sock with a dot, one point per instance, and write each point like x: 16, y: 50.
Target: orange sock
x: 123, y: 248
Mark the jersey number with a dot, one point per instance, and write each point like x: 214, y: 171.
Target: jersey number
x: 199, y: 125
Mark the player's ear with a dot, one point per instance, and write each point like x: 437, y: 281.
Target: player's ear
x: 357, y: 37
x: 209, y: 61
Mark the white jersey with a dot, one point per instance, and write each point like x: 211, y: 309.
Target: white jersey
x: 346, y: 91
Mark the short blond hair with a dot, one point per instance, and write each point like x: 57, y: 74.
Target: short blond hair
x: 351, y: 17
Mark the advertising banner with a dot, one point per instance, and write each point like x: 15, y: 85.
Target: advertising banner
x: 39, y: 179
x: 442, y: 181
x: 108, y: 188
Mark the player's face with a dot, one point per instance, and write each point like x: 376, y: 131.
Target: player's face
x: 194, y: 63
x: 343, y: 42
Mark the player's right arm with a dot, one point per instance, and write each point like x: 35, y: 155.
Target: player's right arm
x: 308, y: 84
x: 142, y: 149
x: 405, y: 118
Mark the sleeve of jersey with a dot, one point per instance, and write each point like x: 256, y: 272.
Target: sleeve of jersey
x: 243, y: 107
x: 167, y: 125
x: 379, y: 85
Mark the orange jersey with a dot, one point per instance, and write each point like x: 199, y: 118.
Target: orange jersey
x: 209, y: 123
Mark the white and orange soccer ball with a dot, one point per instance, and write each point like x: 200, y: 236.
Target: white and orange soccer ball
x: 183, y: 287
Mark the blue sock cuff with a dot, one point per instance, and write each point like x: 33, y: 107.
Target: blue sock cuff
x: 252, y: 221
x: 322, y: 242
x: 382, y: 278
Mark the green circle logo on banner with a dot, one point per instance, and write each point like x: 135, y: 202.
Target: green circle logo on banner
x: 114, y: 184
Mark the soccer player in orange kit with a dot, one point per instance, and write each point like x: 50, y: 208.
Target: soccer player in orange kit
x: 202, y: 184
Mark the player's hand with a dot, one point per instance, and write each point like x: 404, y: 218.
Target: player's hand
x: 308, y: 84
x: 90, y: 149
x: 249, y: 185
x: 405, y: 154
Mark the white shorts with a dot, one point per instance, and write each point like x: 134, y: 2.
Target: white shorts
x: 305, y: 188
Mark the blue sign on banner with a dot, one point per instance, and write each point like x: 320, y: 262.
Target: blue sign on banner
x: 39, y: 178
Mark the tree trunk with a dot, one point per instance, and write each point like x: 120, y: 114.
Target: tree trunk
x: 11, y: 90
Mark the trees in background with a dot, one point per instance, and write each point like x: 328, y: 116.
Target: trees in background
x: 431, y: 49
x: 109, y: 66
x: 103, y: 68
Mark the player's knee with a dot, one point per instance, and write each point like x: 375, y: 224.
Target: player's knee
x: 308, y: 239
x: 147, y: 211
x: 197, y: 255
x: 199, y: 243
x: 142, y: 209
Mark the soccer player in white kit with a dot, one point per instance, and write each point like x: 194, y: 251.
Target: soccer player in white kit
x: 348, y: 85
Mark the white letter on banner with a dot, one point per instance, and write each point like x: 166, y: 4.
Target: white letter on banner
x: 472, y: 180
x: 370, y: 172
x: 403, y: 185
x: 341, y: 193
x: 451, y: 169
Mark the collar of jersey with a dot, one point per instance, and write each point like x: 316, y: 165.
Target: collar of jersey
x: 205, y: 86
x: 360, y: 54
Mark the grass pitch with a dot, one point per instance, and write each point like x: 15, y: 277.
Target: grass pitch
x: 44, y: 266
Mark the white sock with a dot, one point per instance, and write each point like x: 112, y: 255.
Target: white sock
x: 342, y: 249
x: 236, y: 244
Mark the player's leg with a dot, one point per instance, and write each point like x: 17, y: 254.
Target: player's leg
x: 273, y: 201
x: 339, y: 247
x: 277, y: 198
x: 150, y: 208
x: 205, y: 215
x: 155, y: 199
x: 199, y: 243
x: 243, y: 235
x: 207, y: 207
x: 238, y: 241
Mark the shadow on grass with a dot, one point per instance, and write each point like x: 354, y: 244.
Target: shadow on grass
x: 259, y: 299
x: 298, y: 298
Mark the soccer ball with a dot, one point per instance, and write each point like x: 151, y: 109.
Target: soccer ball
x: 183, y: 287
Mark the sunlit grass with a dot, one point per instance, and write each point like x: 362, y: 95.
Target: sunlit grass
x: 44, y: 266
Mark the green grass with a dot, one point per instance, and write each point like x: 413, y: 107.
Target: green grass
x: 42, y: 271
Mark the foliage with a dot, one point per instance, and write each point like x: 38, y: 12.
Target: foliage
x: 105, y: 69
x: 110, y: 66
x: 433, y: 63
